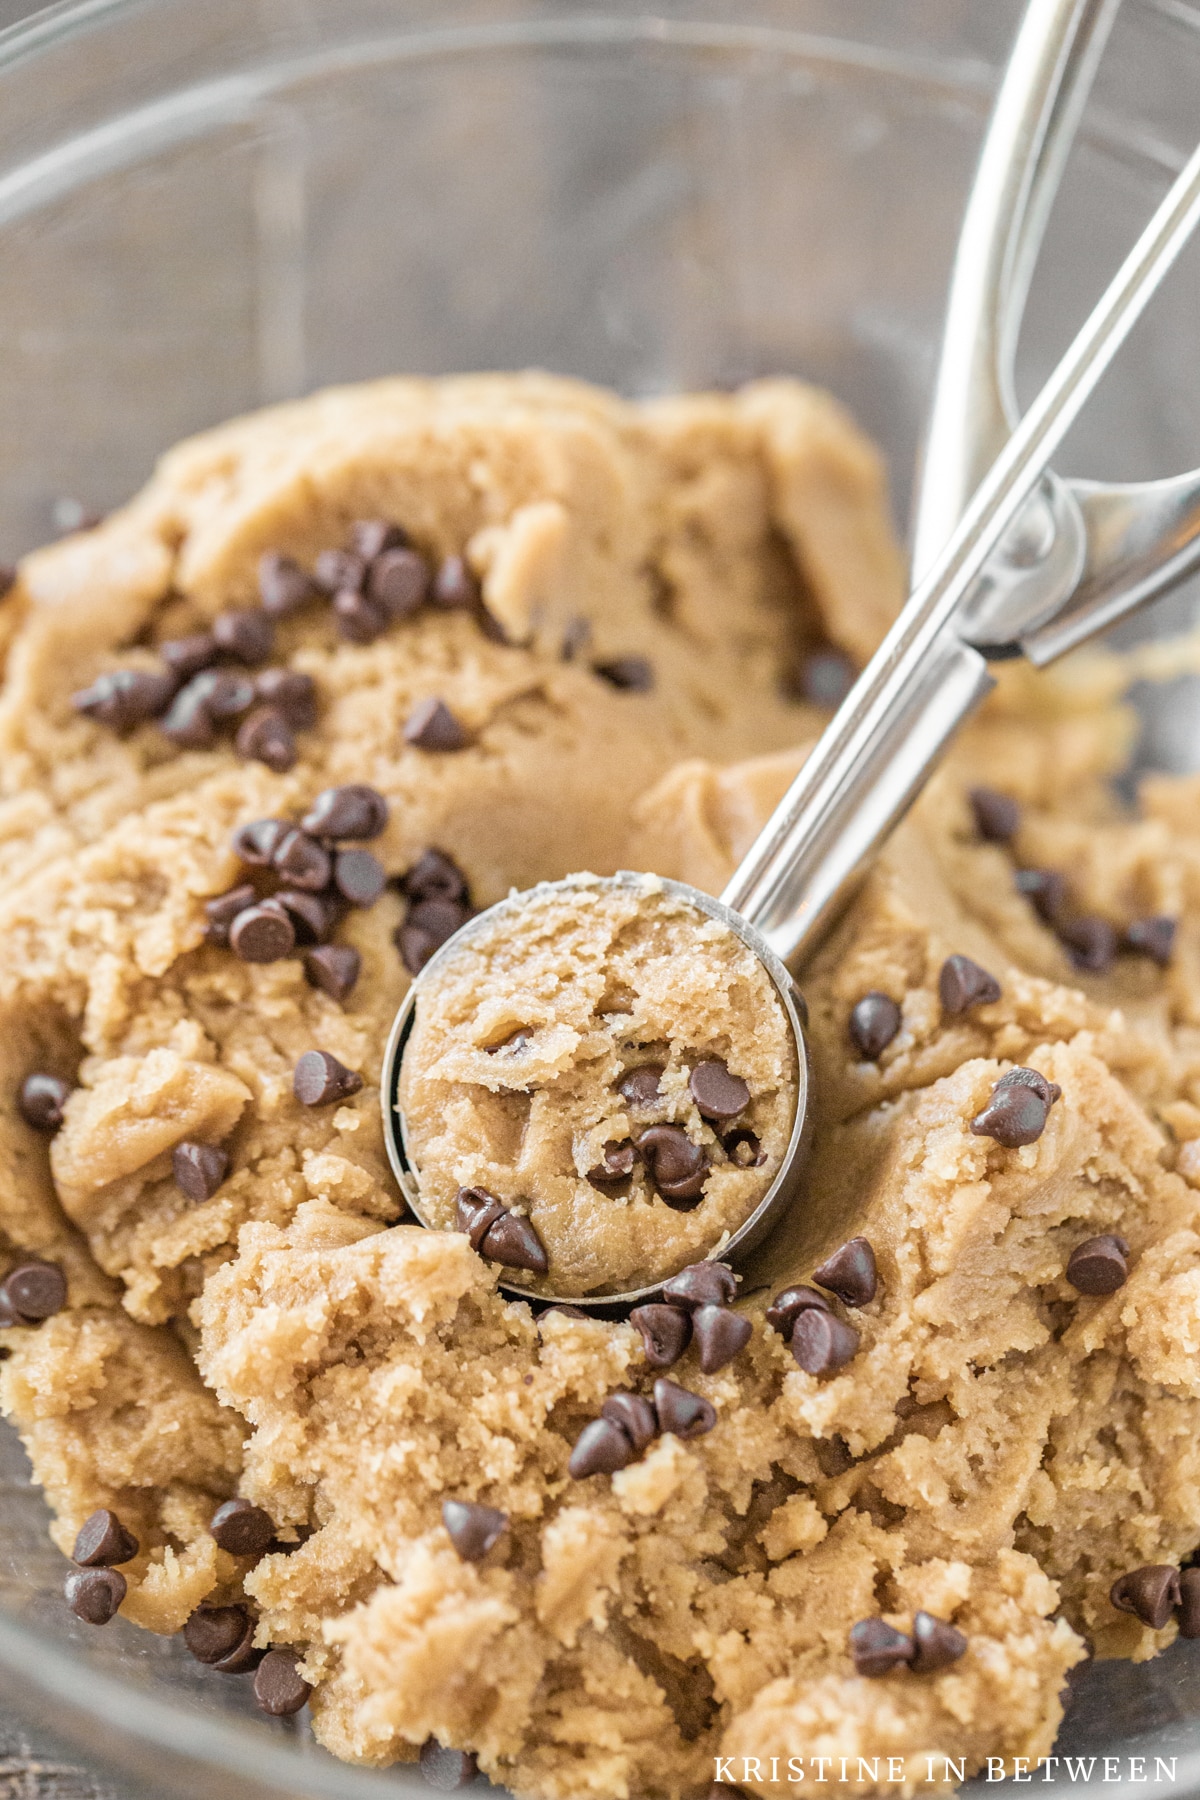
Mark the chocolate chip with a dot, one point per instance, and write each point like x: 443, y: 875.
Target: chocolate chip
x: 877, y: 1648
x: 213, y: 1633
x: 1189, y: 1603
x: 744, y: 1149
x: 514, y: 1242
x: 701, y: 1284
x: 1046, y: 891
x: 399, y: 583
x: 95, y: 1595
x: 223, y: 909
x: 40, y: 1101
x: 997, y: 816
x: 244, y: 632
x: 359, y: 620
x: 821, y: 1342
x: 353, y: 811
x: 359, y: 876
x: 125, y: 697
x: 187, y: 721
x: 432, y: 726
x: 1090, y: 942
x: 186, y: 656
x: 34, y: 1291
x: 279, y: 1687
x: 302, y: 862
x: 435, y: 876
x: 262, y: 933
x: 629, y: 674
x: 334, y: 968
x: 787, y: 1306
x: 1150, y: 1593
x: 682, y: 1413
x: 678, y: 1168
x: 1154, y: 938
x: 475, y: 1212
x: 242, y: 1528
x: 874, y: 1022
x: 720, y: 1336
x: 1100, y: 1265
x: 313, y: 916
x: 640, y: 1087
x: 1049, y: 1091
x: 320, y: 1079
x: 718, y: 1094
x: 266, y: 737
x: 447, y: 1769
x: 473, y: 1528
x: 824, y: 678
x: 635, y: 1415
x: 291, y: 693
x: 283, y: 586
x: 666, y: 1332
x: 850, y: 1273
x: 102, y: 1540
x: 199, y: 1169
x: 369, y: 538
x: 340, y: 571
x: 1015, y: 1114
x: 601, y: 1448
x: 963, y: 984
x: 429, y: 925
x: 454, y: 586
x: 615, y: 1164
x: 935, y: 1644
x: 257, y: 842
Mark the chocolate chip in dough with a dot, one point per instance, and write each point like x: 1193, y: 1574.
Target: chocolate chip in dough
x: 628, y: 674
x: 40, y: 1101
x: 199, y: 1169
x: 279, y: 1687
x: 369, y: 538
x: 292, y: 694
x: 962, y: 984
x: 187, y: 656
x: 187, y: 721
x: 616, y: 1163
x: 257, y: 842
x: 718, y: 1094
x: 874, y: 1022
x: 242, y: 1528
x: 358, y: 619
x: 359, y: 876
x: 513, y: 1242
x: 283, y: 586
x: 635, y: 1415
x: 302, y: 862
x: 247, y: 633
x: 475, y: 1211
x: 262, y: 933
x: 935, y: 1644
x: 640, y: 1087
x: 701, y: 1284
x: 1154, y: 938
x: 720, y: 1335
x: 33, y: 1291
x: 432, y: 726
x: 430, y: 924
x: 95, y: 1595
x: 223, y: 909
x: 399, y: 583
x: 1150, y: 1593
x: 878, y: 1648
x: 1017, y: 1110
x: 1090, y: 942
x: 1189, y: 1603
x: 666, y: 1332
x: 102, y: 1540
x: 473, y: 1528
x: 265, y: 736
x: 601, y: 1448
x: 353, y: 811
x: 313, y: 916
x: 213, y: 1633
x: 682, y: 1413
x: 744, y: 1149
x: 997, y: 815
x: 339, y: 571
x: 850, y: 1273
x: 1049, y: 1091
x: 787, y: 1306
x: 454, y: 586
x: 333, y: 968
x: 1046, y: 891
x: 821, y: 1342
x: 124, y: 698
x: 1100, y: 1265
x: 677, y: 1167
x: 321, y: 1080
x: 445, y: 1768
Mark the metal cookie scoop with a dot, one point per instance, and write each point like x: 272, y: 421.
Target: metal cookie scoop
x: 1027, y: 569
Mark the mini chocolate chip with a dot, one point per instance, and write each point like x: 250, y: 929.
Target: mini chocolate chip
x: 125, y: 697
x: 1090, y: 942
x: 187, y: 721
x: 640, y: 1087
x: 257, y: 842
x: 1100, y: 1265
x: 682, y: 1413
x: 1189, y: 1603
x: 935, y: 1644
x: 262, y: 933
x: 279, y: 1687
x: 95, y: 1595
x: 302, y: 862
x: 227, y: 695
x: 514, y: 1242
x: 787, y: 1306
x: 874, y: 1022
x: 34, y: 1291
x: 628, y: 674
x: 369, y: 538
x: 615, y: 1164
x: 245, y: 632
x: 577, y: 635
x: 212, y: 1633
x: 399, y: 583
x: 1032, y: 1078
x: 320, y: 1079
x: 601, y: 1448
x: 334, y: 968
x: 359, y: 876
x: 997, y: 816
x: 266, y: 737
x: 40, y: 1101
x: 435, y: 876
x: 445, y: 1768
x: 283, y: 586
x: 430, y: 923
x: 678, y: 1168
x: 359, y: 620
x: 339, y: 571
x: 199, y: 1169
x: 877, y: 1648
x: 1150, y: 1593
x: 353, y: 811
x: 701, y: 1284
x: 718, y: 1094
x: 186, y: 656
x: 1015, y: 1114
x: 313, y: 916
x: 824, y: 678
x: 291, y: 693
x: 242, y: 1528
x: 1154, y: 938
x: 475, y: 1212
x: 666, y: 1332
x: 102, y: 1540
x: 454, y: 586
x: 432, y: 726
x: 223, y: 909
x: 473, y: 1528
x: 1046, y: 891
x: 635, y: 1415
x: 963, y: 984
x: 850, y: 1273
x: 744, y: 1149
x: 821, y: 1342
x: 720, y: 1336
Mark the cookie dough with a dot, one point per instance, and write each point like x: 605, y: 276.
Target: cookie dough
x: 611, y: 1066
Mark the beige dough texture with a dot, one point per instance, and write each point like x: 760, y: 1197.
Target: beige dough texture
x: 512, y: 1079
x: 999, y: 1448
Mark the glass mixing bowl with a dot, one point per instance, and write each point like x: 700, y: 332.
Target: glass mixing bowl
x: 210, y: 204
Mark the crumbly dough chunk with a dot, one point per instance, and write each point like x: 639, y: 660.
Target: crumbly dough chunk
x: 512, y: 1079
